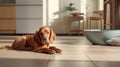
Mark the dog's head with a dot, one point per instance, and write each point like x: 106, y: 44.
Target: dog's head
x: 45, y: 35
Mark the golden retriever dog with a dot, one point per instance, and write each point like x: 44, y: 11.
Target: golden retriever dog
x: 39, y: 42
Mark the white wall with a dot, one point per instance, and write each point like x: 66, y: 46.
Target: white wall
x: 92, y: 5
x: 29, y: 15
x: 58, y: 16
x: 60, y: 24
x: 101, y: 4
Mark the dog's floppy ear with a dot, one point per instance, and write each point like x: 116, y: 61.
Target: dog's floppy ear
x: 36, y: 37
x: 52, y: 36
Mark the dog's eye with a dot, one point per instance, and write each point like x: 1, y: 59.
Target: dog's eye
x: 47, y: 32
x: 41, y: 33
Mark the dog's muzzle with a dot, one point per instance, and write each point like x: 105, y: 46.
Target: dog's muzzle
x: 44, y: 40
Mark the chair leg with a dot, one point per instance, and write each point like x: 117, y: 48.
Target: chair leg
x: 90, y: 24
x: 83, y: 24
x: 79, y: 26
x: 101, y: 23
x: 69, y: 28
x: 87, y: 23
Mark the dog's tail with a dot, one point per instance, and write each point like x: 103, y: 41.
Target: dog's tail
x: 6, y: 48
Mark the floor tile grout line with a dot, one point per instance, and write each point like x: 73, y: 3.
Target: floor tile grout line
x: 48, y: 61
x: 89, y: 58
x: 105, y: 51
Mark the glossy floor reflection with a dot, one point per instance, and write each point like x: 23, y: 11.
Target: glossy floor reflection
x: 12, y: 62
x: 77, y: 52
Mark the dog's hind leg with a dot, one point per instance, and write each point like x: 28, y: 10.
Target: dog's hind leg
x: 19, y: 44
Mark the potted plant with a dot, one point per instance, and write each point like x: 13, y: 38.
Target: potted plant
x: 71, y: 7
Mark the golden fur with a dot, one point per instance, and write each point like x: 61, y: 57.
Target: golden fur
x: 39, y: 42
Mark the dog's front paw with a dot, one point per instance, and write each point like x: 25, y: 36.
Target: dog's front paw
x: 50, y: 51
x: 46, y: 50
x: 57, y: 50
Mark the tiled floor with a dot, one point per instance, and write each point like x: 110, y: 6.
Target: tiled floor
x: 77, y: 52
